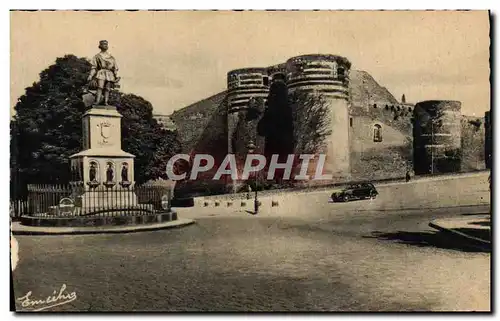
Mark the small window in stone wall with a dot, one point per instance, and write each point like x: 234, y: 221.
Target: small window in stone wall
x: 374, y: 105
x: 386, y: 107
x: 350, y: 121
x: 341, y: 73
x: 265, y: 80
x: 377, y: 133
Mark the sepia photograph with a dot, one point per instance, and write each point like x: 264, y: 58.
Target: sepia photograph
x: 250, y: 161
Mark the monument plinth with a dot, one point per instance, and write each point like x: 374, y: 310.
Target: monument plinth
x: 102, y: 172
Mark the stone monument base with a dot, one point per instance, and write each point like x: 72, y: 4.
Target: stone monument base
x: 106, y: 199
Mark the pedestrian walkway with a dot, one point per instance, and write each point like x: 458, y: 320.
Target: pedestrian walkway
x: 474, y: 229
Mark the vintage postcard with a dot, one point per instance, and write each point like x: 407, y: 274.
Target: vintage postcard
x: 276, y: 161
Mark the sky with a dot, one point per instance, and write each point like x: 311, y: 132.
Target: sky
x: 176, y: 58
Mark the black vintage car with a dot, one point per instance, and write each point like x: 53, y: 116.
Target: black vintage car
x: 355, y: 192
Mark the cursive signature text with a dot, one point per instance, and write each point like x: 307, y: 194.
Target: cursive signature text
x: 63, y: 297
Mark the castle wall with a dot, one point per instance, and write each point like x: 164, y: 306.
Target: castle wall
x: 212, y: 141
x: 437, y: 136
x: 327, y: 76
x: 387, y: 155
x: 364, y: 91
x: 473, y: 144
x: 256, y: 108
x: 488, y: 139
x: 246, y: 87
x: 192, y: 121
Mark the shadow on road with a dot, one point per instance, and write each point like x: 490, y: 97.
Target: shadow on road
x: 428, y: 239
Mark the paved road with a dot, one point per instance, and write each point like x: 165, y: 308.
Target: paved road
x: 349, y: 259
x: 451, y: 192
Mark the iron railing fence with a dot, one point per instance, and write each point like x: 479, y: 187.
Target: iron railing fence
x: 76, y: 199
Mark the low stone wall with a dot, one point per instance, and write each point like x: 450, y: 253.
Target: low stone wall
x: 239, y: 203
x: 83, y: 221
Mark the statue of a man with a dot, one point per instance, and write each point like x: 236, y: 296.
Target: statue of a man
x: 92, y: 172
x: 105, y: 72
x: 125, y: 172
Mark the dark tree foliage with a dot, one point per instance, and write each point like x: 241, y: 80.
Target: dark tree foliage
x: 144, y: 137
x: 311, y: 122
x: 47, y: 127
x: 247, y: 128
x: 276, y: 124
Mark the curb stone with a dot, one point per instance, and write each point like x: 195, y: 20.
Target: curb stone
x: 18, y: 229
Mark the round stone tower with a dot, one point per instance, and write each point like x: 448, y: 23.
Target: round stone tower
x: 327, y: 76
x: 242, y: 86
x: 437, y: 136
x: 277, y: 73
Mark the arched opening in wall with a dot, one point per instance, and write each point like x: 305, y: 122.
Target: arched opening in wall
x: 386, y: 107
x: 341, y: 73
x: 377, y: 133
x: 350, y: 121
x: 374, y: 105
x: 279, y: 76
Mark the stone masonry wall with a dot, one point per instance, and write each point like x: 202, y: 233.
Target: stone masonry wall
x: 473, y: 140
x: 389, y: 158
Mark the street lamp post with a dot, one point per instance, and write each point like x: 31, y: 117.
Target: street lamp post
x: 432, y: 146
x: 251, y: 148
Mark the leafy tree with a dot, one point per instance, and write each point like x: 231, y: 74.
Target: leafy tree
x: 311, y: 122
x: 47, y: 127
x: 295, y: 123
x: 47, y: 123
x: 168, y: 145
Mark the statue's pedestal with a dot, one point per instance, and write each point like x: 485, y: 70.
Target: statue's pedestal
x: 106, y: 198
x: 104, y: 172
